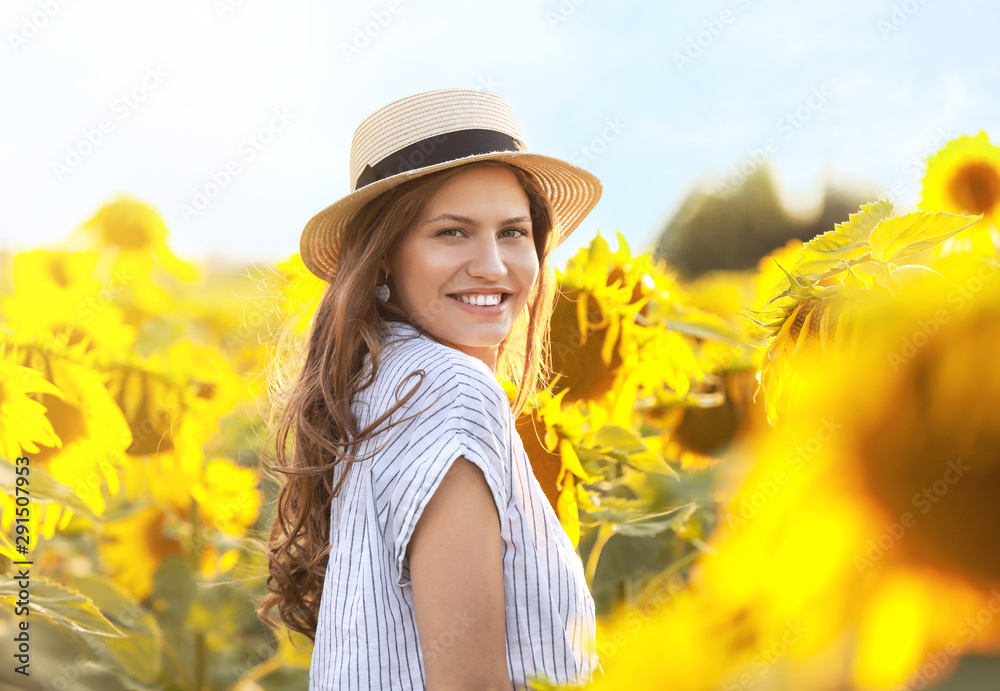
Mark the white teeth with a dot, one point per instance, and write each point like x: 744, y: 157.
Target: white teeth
x: 480, y: 299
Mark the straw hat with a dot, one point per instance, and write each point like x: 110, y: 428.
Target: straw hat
x: 432, y: 131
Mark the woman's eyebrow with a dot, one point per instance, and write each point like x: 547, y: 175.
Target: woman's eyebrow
x: 471, y: 221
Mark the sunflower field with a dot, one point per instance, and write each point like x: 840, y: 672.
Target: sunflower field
x: 786, y: 478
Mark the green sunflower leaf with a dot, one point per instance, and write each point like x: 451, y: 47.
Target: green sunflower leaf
x: 912, y: 233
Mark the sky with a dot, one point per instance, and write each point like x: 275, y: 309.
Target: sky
x: 159, y: 100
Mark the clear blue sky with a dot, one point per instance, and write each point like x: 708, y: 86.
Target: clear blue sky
x: 846, y: 91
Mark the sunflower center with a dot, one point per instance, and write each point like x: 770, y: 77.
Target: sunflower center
x: 934, y: 452
x: 577, y: 356
x: 976, y: 187
x: 130, y: 236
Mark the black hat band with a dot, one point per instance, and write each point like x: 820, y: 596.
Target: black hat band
x: 439, y: 149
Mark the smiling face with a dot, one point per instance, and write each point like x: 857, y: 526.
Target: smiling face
x: 474, y: 236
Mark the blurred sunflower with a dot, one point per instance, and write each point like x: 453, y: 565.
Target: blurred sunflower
x: 172, y: 404
x: 195, y: 506
x: 300, y: 291
x: 23, y: 421
x: 721, y: 408
x: 174, y: 400
x: 697, y: 436
x: 44, y: 516
x: 135, y: 547
x: 964, y: 178
x: 56, y: 297
x: 91, y: 433
x: 227, y: 496
x: 865, y: 519
x: 151, y: 402
x: 43, y: 520
x: 136, y: 234
x: 678, y: 641
x: 235, y: 312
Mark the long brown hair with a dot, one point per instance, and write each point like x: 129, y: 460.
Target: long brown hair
x: 312, y: 381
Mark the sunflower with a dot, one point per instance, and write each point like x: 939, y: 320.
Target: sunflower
x: 617, y: 330
x: 23, y: 427
x: 586, y: 374
x: 674, y: 639
x: 964, y: 178
x: 593, y: 303
x: 814, y: 306
x: 135, y: 547
x: 23, y: 422
x: 702, y: 434
x: 545, y: 428
x: 722, y: 408
x: 174, y: 400
x: 57, y: 298
x: 135, y: 232
x: 91, y: 434
x: 865, y: 519
x: 227, y: 496
x: 934, y: 449
x: 969, y: 167
x: 213, y: 500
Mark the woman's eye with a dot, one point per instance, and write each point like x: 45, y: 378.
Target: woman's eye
x: 457, y: 230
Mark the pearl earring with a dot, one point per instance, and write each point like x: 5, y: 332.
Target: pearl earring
x: 382, y: 291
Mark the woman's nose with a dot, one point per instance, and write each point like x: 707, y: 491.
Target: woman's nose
x: 488, y: 261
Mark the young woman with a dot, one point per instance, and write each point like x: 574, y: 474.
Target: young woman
x: 412, y: 542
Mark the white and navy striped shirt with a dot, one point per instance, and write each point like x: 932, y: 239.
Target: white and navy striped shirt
x: 366, y: 637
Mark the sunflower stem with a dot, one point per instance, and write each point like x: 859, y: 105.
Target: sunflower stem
x: 201, y: 657
x: 604, y: 533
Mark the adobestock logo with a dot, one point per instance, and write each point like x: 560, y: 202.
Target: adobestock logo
x: 926, y: 329
x: 224, y: 7
x: 122, y: 107
x: 32, y: 24
x: 699, y: 42
x: 364, y: 34
x: 598, y: 145
x: 901, y: 14
x: 787, y: 125
x: 248, y: 150
x: 924, y: 500
x: 915, y: 166
x: 756, y: 497
x: 564, y: 11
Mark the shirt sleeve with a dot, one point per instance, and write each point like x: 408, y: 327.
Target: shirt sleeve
x: 461, y: 416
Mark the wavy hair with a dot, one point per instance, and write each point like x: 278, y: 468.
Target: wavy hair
x: 312, y: 381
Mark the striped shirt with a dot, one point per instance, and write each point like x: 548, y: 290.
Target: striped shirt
x: 366, y: 637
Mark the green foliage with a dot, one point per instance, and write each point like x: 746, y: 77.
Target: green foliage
x: 62, y: 605
x: 904, y: 236
x: 857, y: 255
x: 44, y: 489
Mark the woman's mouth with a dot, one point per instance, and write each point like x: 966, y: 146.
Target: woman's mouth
x: 483, y: 304
x: 481, y: 299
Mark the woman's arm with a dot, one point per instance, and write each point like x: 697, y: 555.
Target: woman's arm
x: 456, y: 571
